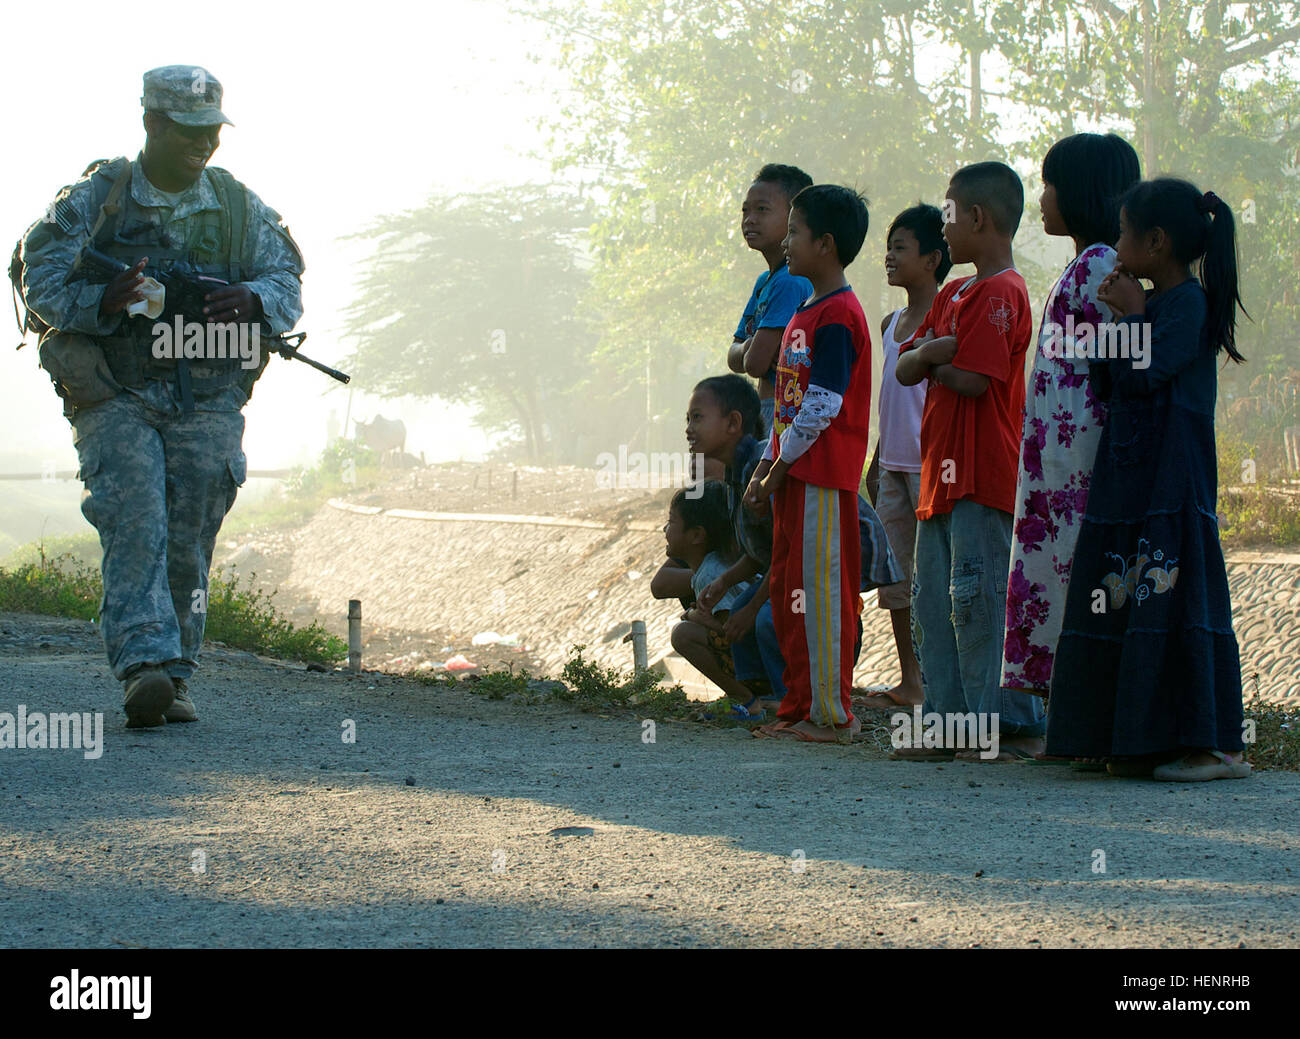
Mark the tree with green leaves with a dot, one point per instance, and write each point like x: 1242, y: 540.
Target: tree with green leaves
x: 676, y: 106
x: 1205, y: 90
x: 475, y: 299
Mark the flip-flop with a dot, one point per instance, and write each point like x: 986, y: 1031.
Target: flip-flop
x: 743, y: 712
x: 1181, y: 772
x: 1048, y: 759
x: 771, y: 730
x: 1004, y: 756
x: 841, y: 736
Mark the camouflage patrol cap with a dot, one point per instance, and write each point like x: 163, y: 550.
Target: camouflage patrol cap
x: 186, y: 94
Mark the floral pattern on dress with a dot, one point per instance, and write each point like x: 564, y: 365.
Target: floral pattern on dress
x: 1062, y: 426
x: 1129, y: 579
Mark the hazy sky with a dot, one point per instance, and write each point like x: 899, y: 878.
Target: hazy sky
x: 342, y: 112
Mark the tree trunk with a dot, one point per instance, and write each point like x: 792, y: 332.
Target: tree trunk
x: 1148, y: 78
x: 540, y: 446
x: 521, y: 412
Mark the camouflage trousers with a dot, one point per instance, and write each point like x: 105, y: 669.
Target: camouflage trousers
x: 157, y: 486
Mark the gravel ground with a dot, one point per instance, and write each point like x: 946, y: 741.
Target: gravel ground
x: 437, y: 827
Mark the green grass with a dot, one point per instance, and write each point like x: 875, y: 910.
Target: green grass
x: 1277, y: 735
x: 1259, y: 516
x: 59, y: 586
x: 247, y: 619
x: 591, y: 687
x: 1256, y: 510
x: 240, y: 617
x: 583, y: 683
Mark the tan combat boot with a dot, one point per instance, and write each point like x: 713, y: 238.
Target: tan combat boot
x: 149, y: 694
x: 182, y: 710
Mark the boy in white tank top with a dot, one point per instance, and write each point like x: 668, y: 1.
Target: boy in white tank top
x: 916, y: 259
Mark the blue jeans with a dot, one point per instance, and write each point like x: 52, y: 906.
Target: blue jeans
x: 758, y: 654
x: 959, y: 614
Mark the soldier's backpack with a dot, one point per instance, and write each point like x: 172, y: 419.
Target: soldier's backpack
x: 27, y: 319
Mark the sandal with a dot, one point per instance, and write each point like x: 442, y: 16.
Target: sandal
x: 1180, y: 771
x: 922, y: 754
x: 746, y: 712
x: 1004, y: 755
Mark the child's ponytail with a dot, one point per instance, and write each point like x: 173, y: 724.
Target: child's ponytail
x: 1200, y: 227
x: 1219, y: 275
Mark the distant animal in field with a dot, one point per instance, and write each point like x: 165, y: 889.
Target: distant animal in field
x: 386, y: 437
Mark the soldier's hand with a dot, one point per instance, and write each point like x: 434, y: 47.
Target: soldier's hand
x: 123, y: 290
x: 233, y: 303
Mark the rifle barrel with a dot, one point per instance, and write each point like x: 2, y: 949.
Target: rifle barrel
x: 285, y: 349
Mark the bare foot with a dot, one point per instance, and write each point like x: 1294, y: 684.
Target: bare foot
x: 811, y: 733
x: 905, y: 695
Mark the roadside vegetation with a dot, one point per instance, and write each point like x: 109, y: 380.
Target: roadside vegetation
x: 238, y: 616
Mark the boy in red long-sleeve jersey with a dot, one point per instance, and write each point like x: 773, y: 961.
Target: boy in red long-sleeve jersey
x: 813, y: 467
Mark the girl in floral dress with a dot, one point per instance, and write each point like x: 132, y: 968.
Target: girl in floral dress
x: 1083, y: 179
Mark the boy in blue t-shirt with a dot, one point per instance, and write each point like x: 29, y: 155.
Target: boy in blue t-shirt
x: 777, y: 293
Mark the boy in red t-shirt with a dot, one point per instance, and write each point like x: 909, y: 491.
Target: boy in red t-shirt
x: 813, y: 467
x: 971, y: 347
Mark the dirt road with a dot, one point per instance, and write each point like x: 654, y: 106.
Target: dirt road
x: 456, y: 820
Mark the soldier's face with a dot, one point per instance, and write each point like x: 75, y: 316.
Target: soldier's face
x: 185, y: 150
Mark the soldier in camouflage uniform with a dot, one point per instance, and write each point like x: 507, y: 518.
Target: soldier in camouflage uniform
x: 159, y: 441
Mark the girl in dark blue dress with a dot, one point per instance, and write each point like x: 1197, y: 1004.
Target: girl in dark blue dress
x: 1147, y: 673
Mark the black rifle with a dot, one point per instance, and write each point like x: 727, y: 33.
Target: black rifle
x: 185, y: 291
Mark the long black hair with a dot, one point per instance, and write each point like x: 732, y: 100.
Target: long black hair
x: 1199, y: 226
x: 1090, y: 172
